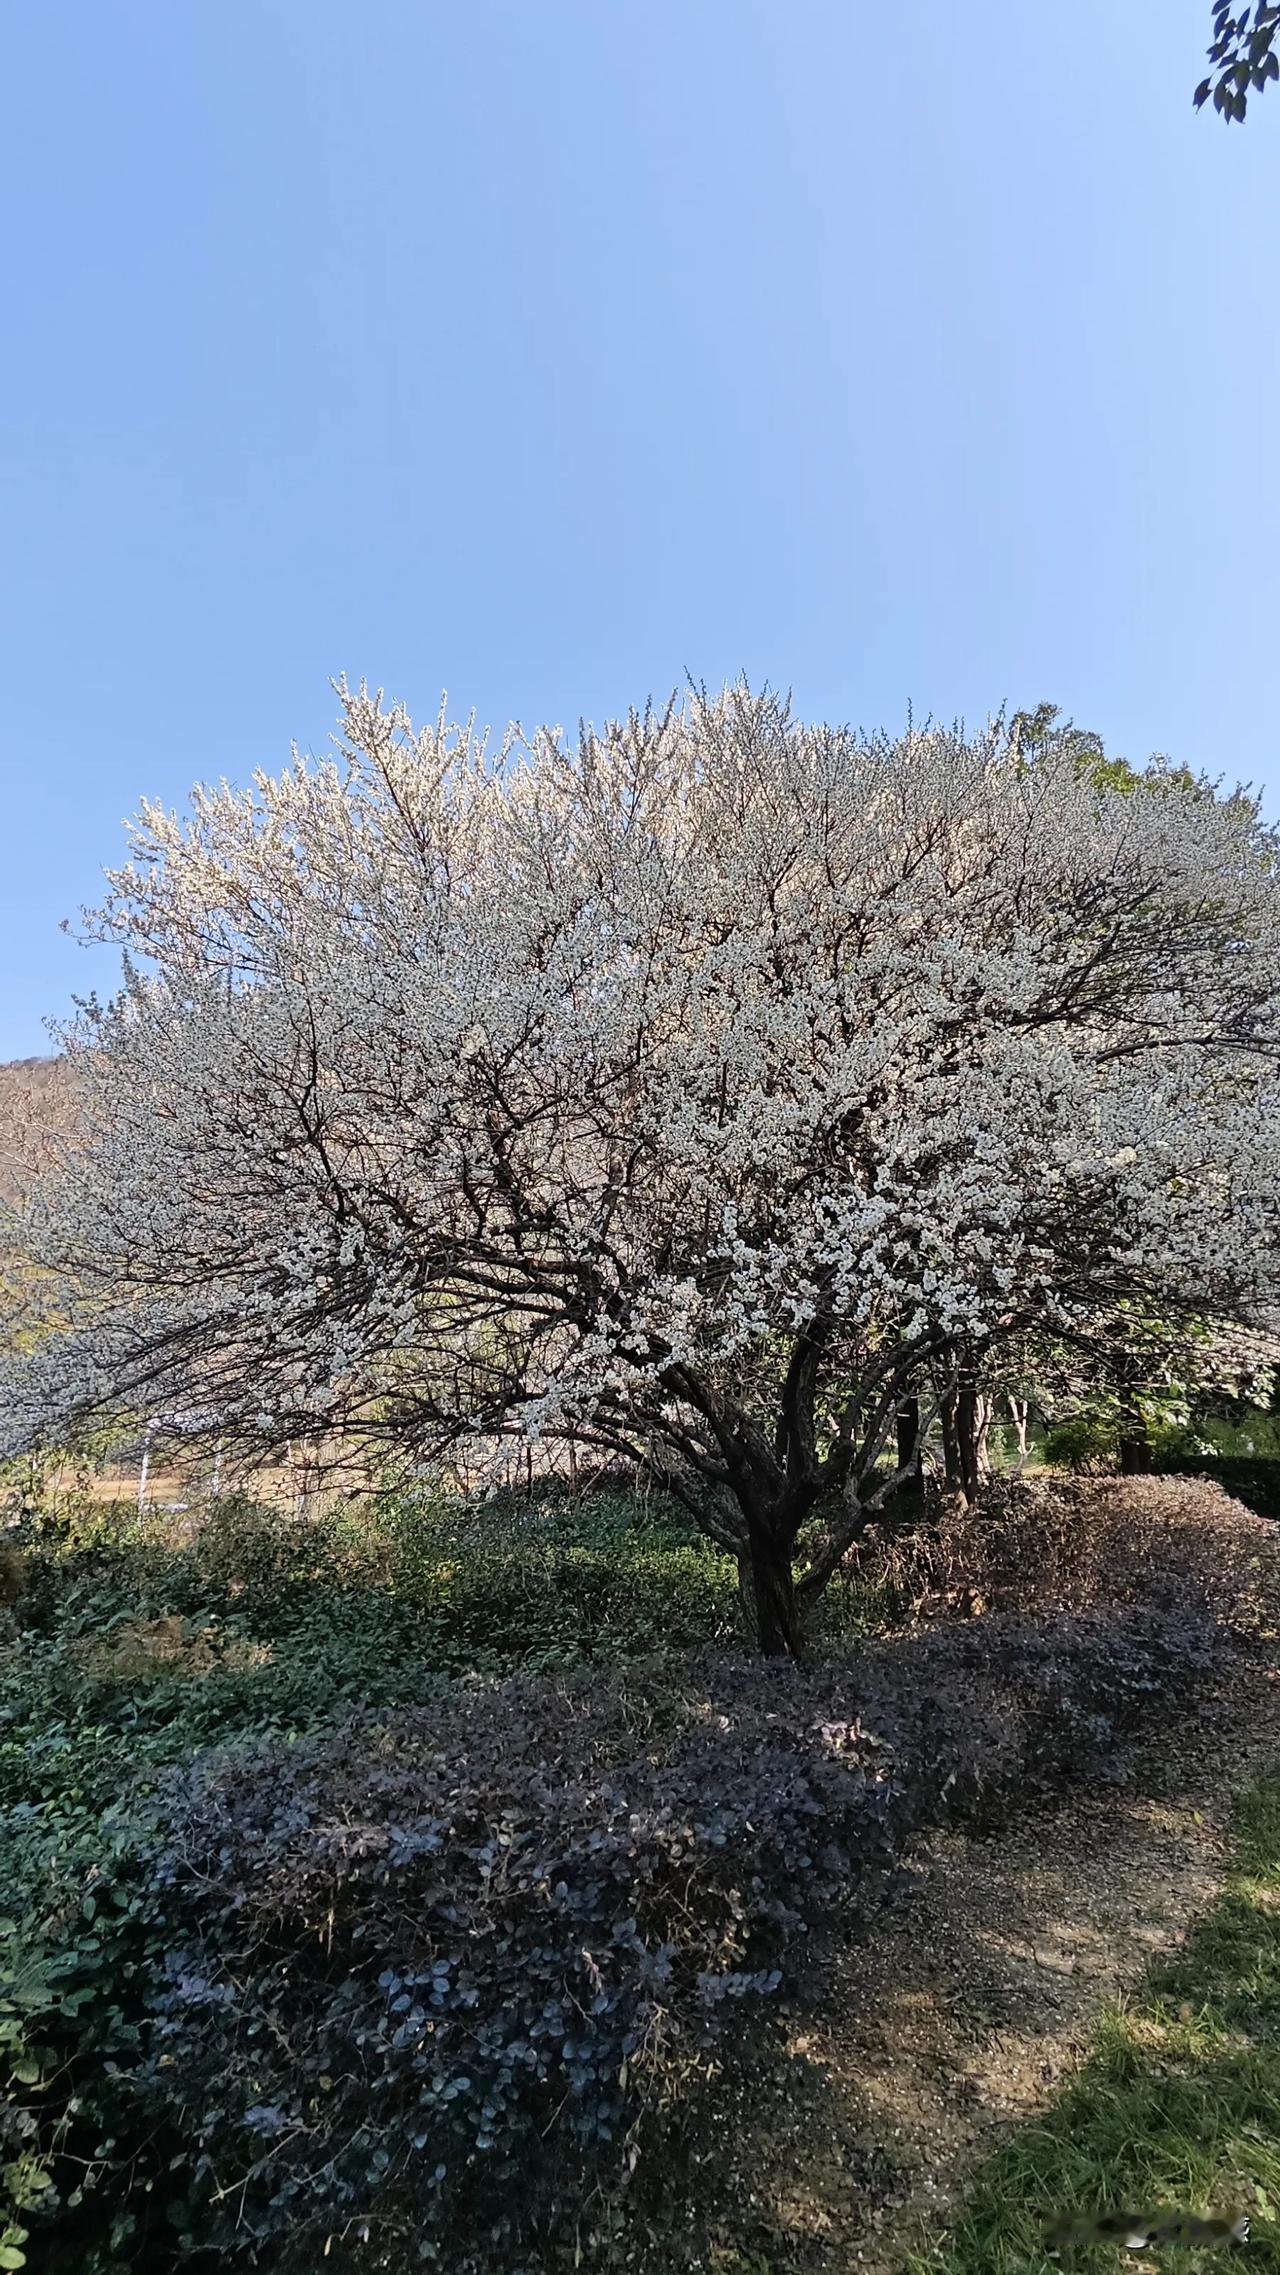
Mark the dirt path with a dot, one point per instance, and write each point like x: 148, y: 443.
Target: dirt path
x: 970, y: 2004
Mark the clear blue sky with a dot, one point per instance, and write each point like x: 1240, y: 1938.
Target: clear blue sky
x: 540, y: 349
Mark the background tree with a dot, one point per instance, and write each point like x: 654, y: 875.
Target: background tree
x: 1037, y: 735
x: 1126, y: 1378
x: 693, y: 1092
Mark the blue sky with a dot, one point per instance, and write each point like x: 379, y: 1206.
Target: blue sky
x: 542, y: 352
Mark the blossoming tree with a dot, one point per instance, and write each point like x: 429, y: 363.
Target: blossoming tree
x: 690, y: 1090
x: 1130, y: 1373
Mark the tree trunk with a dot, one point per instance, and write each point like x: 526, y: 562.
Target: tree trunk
x: 768, y: 1589
x: 1135, y: 1444
x: 1018, y: 1408
x: 949, y: 1417
x: 1135, y: 1453
x: 972, y: 1418
x: 909, y: 1442
x: 982, y: 1447
x: 906, y: 1508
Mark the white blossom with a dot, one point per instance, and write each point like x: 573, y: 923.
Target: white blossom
x: 571, y: 1087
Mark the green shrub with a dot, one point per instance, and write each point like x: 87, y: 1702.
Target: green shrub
x: 551, y: 1582
x: 1085, y: 1442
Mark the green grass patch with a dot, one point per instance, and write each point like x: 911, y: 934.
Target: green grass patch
x: 1177, y: 2107
x: 133, y: 1648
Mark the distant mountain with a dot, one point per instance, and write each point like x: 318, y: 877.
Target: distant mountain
x: 37, y: 1109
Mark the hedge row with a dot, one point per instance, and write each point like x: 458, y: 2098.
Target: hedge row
x: 1065, y: 1544
x: 413, y: 1988
x: 1255, y: 1481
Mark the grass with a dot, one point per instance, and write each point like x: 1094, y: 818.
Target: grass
x: 1177, y: 2106
x: 134, y: 1647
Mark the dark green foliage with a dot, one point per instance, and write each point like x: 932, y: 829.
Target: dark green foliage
x: 551, y: 1582
x: 1085, y: 1443
x: 130, y: 1650
x: 431, y: 1972
x: 291, y: 1622
x: 1242, y: 55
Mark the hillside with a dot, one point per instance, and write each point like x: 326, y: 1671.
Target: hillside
x: 37, y: 1111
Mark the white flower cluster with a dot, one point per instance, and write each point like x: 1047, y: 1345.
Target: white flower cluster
x: 570, y: 1086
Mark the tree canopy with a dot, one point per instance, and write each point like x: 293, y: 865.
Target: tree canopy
x: 700, y: 1091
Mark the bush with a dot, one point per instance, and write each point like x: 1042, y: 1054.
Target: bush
x: 1085, y: 1443
x: 1054, y: 1543
x: 127, y: 1649
x: 504, y: 1583
x: 1253, y: 1480
x: 551, y: 1582
x: 278, y: 1963
x: 428, y: 1977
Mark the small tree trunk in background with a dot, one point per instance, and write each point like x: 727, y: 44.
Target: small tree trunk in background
x: 1135, y: 1444
x: 982, y: 1447
x: 950, y: 1418
x: 909, y: 1443
x: 1135, y: 1451
x: 969, y: 1434
x: 906, y: 1507
x: 1018, y: 1408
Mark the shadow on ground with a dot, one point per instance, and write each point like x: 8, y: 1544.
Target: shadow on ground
x: 848, y: 2132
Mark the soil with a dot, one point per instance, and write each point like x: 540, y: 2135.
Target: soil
x: 966, y: 2008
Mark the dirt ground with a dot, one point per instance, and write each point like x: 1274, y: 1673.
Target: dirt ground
x: 969, y: 2004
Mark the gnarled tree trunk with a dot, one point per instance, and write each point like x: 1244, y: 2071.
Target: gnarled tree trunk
x: 767, y: 1585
